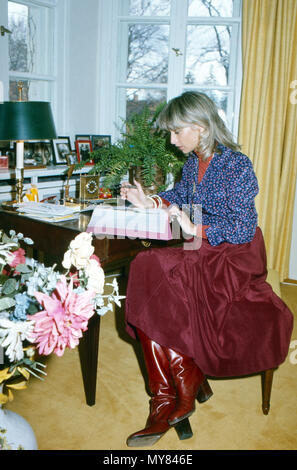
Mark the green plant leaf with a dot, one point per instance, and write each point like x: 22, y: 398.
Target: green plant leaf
x: 9, y: 286
x: 23, y: 268
x: 141, y: 145
x: 6, y: 303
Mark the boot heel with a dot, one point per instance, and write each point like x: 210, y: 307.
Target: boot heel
x: 183, y: 429
x: 204, y: 392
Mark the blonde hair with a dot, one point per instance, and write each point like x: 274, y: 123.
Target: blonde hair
x: 192, y: 108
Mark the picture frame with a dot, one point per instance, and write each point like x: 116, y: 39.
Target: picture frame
x: 71, y: 158
x: 100, y: 141
x: 61, y: 148
x: 83, y: 137
x: 38, y: 154
x: 10, y: 152
x: 83, y: 150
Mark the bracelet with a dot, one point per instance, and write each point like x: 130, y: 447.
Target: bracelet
x: 158, y: 200
x: 153, y: 201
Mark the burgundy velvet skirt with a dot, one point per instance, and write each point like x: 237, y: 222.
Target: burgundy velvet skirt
x: 212, y: 304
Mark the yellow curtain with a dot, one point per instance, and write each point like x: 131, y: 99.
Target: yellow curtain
x: 268, y: 118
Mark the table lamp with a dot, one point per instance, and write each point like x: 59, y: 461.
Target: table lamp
x: 25, y: 120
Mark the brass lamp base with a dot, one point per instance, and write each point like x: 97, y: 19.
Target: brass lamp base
x: 19, y: 191
x: 19, y: 188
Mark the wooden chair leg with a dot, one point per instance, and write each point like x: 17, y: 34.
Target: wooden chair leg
x: 267, y: 377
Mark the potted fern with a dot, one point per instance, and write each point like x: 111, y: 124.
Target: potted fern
x: 142, y: 152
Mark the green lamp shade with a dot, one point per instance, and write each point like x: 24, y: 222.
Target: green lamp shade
x: 26, y: 120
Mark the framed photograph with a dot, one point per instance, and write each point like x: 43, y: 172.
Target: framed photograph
x: 38, y: 154
x: 61, y: 148
x: 71, y: 158
x: 8, y: 150
x: 100, y: 141
x: 83, y: 137
x: 83, y: 150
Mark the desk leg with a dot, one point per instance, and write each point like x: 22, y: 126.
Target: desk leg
x: 89, y: 346
x: 88, y: 354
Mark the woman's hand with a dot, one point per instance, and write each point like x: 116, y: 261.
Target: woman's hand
x: 135, y: 195
x: 183, y: 220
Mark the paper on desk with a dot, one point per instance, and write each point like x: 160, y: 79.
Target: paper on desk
x: 130, y: 222
x: 46, y: 211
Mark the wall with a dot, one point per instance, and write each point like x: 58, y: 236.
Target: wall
x: 77, y: 67
x: 86, y: 67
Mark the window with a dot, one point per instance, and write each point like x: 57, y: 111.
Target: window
x: 168, y: 46
x: 31, y: 49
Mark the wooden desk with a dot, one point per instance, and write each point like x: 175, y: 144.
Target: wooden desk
x: 115, y: 255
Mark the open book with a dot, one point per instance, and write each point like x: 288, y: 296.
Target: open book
x: 130, y: 222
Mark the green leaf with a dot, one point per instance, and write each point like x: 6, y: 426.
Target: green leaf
x: 6, y: 239
x: 9, y: 286
x: 23, y: 268
x: 3, y: 278
x: 32, y: 309
x: 25, y: 277
x: 6, y: 303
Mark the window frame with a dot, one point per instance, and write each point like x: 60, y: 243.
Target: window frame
x: 178, y: 22
x: 49, y: 78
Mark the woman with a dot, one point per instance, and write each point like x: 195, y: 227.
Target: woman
x: 203, y: 309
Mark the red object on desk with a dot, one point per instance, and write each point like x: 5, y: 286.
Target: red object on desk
x: 105, y: 193
x: 4, y: 161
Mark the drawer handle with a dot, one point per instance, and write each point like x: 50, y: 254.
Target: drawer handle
x: 146, y: 243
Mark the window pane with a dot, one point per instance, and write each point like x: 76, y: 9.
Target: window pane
x: 148, y: 53
x: 33, y: 90
x: 208, y: 53
x: 220, y: 98
x: 210, y: 8
x: 137, y: 99
x: 149, y: 7
x: 31, y: 42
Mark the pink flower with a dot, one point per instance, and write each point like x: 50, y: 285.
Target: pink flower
x: 63, y: 320
x: 18, y: 257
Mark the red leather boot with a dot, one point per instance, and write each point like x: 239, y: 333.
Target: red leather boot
x: 188, y: 380
x: 163, y: 399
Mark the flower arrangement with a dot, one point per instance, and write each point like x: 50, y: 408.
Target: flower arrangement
x: 43, y: 310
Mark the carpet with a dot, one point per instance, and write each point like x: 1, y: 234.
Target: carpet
x: 231, y: 420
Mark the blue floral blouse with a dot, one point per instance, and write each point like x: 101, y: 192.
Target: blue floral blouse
x: 226, y: 194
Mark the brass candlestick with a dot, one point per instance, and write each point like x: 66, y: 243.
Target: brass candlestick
x: 20, y: 155
x: 67, y: 185
x: 19, y: 186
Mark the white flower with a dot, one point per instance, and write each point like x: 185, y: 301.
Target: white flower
x: 4, y: 314
x: 114, y: 297
x: 80, y: 250
x: 42, y: 279
x: 12, y: 335
x: 96, y: 277
x: 5, y: 254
